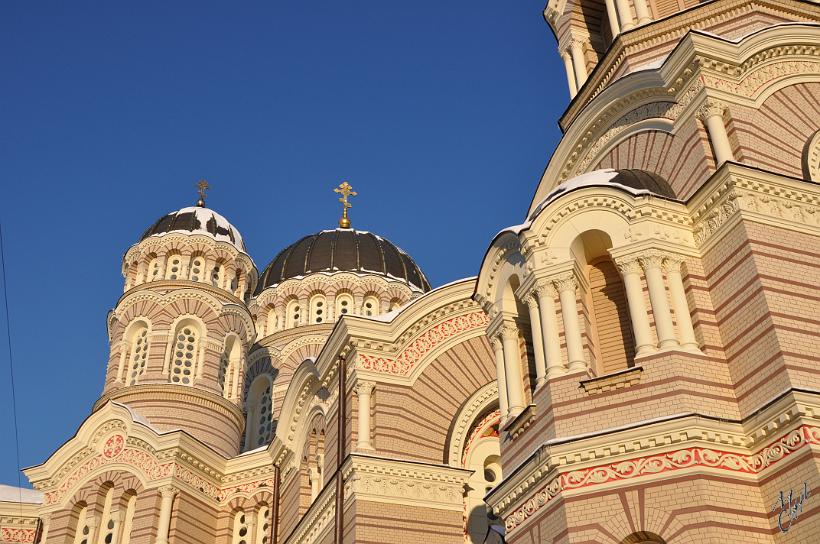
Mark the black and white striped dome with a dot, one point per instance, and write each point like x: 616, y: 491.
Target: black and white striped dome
x: 197, y: 220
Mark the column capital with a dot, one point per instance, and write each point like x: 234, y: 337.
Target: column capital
x: 364, y: 387
x: 652, y: 259
x: 576, y: 42
x: 672, y: 262
x: 509, y: 330
x: 532, y: 300
x: 544, y: 287
x: 628, y: 265
x: 710, y: 108
x: 168, y: 491
x: 566, y: 282
x: 495, y: 341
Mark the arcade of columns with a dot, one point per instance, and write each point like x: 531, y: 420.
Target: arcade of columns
x: 544, y: 323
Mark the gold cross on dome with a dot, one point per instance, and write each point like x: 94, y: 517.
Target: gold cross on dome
x: 346, y: 191
x: 202, y: 186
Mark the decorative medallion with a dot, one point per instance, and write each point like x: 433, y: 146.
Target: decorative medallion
x: 113, y: 446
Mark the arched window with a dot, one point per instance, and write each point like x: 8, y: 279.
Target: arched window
x: 344, y: 304
x: 128, y: 519
x: 293, y: 313
x: 240, y: 528
x: 395, y: 304
x: 318, y: 307
x: 185, y: 353
x: 263, y: 524
x: 173, y: 268
x: 82, y: 533
x: 259, y: 427
x: 108, y: 524
x: 371, y: 305
x: 197, y: 268
x: 137, y: 338
x: 611, y: 341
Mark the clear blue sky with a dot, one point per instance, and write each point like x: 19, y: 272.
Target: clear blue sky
x: 441, y: 114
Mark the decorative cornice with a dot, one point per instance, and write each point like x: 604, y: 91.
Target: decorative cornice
x: 404, y: 483
x: 737, y: 190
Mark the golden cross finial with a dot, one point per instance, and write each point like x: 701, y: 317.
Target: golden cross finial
x: 202, y: 186
x: 346, y: 191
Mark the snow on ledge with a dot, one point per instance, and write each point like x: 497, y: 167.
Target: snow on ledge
x: 10, y: 493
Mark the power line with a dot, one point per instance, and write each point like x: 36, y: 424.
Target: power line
x: 11, y: 369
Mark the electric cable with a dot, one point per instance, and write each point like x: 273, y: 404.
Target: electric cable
x: 11, y: 369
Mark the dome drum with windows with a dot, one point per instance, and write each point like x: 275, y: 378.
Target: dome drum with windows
x: 194, y: 244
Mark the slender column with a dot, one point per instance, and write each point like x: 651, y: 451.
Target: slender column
x: 711, y: 113
x: 686, y: 332
x: 503, y: 406
x: 250, y: 519
x: 549, y: 330
x: 314, y: 483
x: 572, y: 330
x: 576, y: 48
x: 512, y: 367
x: 46, y: 521
x: 364, y: 389
x: 537, y: 341
x: 573, y: 86
x: 642, y: 11
x: 657, y: 297
x: 142, y: 271
x: 163, y: 266
x: 612, y: 15
x: 624, y: 14
x: 631, y: 273
x: 167, y: 494
x: 243, y: 283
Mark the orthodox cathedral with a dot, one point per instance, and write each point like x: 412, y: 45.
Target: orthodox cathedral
x: 636, y: 362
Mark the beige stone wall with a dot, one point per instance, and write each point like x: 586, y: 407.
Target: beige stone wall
x: 774, y: 136
x: 413, y: 422
x: 377, y: 523
x: 193, y: 521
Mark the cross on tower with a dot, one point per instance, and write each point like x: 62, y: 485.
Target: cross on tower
x: 346, y: 191
x: 202, y: 186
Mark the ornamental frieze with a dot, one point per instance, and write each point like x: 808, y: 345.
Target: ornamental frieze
x: 686, y: 458
x: 404, y: 363
x: 13, y: 534
x: 112, y: 453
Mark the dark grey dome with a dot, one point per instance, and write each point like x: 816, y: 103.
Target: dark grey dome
x: 343, y: 250
x: 196, y: 220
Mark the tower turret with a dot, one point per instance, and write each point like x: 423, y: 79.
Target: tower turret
x: 180, y: 333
